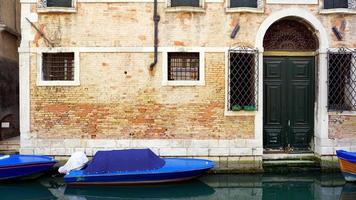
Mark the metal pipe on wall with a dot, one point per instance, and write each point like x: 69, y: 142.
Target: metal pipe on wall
x: 156, y: 19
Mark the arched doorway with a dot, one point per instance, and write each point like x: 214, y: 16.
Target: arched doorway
x: 290, y: 46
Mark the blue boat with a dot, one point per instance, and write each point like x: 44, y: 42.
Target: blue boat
x: 136, y: 166
x: 347, y: 161
x: 24, y: 166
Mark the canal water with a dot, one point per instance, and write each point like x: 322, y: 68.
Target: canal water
x: 298, y: 186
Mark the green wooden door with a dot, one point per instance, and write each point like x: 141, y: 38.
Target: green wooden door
x: 288, y: 117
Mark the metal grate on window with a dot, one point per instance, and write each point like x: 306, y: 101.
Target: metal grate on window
x: 242, y: 79
x: 342, y: 80
x: 183, y: 66
x: 58, y: 66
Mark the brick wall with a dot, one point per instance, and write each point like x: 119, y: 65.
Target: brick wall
x: 119, y: 99
x: 342, y: 126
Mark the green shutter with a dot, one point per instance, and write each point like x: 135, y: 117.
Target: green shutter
x: 59, y: 3
x: 330, y: 4
x: 243, y: 3
x: 191, y: 3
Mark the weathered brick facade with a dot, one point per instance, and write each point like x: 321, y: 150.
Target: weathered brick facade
x: 127, y: 102
x: 120, y: 99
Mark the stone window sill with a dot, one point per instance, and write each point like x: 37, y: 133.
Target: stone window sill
x: 240, y: 113
x: 56, y: 10
x: 337, y: 11
x: 58, y: 83
x: 344, y: 113
x: 244, y: 10
x: 183, y: 83
x: 185, y: 9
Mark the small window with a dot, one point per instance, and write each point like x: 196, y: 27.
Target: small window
x: 342, y: 80
x: 183, y: 66
x: 190, y: 3
x: 330, y: 4
x: 243, y: 80
x: 58, y: 66
x: 243, y: 3
x: 59, y: 3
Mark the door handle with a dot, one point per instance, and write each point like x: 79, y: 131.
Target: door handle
x: 288, y: 122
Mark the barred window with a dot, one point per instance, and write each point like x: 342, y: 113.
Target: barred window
x: 342, y: 80
x: 330, y: 4
x: 243, y: 79
x: 183, y: 66
x: 191, y: 3
x: 58, y: 66
x: 59, y: 3
x: 243, y: 3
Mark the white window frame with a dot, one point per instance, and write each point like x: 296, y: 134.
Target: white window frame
x: 259, y: 9
x: 41, y: 82
x: 201, y: 81
x: 42, y: 7
x: 335, y: 10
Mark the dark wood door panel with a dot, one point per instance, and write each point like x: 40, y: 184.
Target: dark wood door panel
x: 274, y: 104
x: 288, y: 102
x: 274, y: 138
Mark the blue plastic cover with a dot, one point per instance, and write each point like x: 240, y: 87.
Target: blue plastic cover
x: 349, y: 156
x: 124, y: 160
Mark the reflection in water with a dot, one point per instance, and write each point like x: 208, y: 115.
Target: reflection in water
x: 348, y: 192
x: 242, y: 187
x: 194, y: 188
x: 24, y: 190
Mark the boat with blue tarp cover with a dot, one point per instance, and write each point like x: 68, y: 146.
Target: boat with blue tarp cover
x: 347, y: 161
x: 136, y: 166
x: 24, y: 166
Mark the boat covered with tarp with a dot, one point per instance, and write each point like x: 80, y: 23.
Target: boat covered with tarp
x: 136, y: 166
x: 347, y: 161
x: 24, y: 166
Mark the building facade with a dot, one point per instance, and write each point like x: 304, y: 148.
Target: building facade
x: 9, y: 81
x: 234, y: 80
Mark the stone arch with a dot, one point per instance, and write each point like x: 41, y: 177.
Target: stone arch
x: 290, y: 34
x: 303, y: 14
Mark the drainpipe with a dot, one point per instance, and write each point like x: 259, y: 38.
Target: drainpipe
x: 156, y: 19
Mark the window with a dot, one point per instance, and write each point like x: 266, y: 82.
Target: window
x: 191, y: 3
x: 183, y: 66
x: 59, y: 3
x: 331, y: 4
x: 342, y: 80
x: 242, y: 79
x: 335, y: 4
x: 58, y: 67
x: 243, y: 3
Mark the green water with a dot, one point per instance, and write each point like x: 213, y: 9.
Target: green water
x: 258, y: 186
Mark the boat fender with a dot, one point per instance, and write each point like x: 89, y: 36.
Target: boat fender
x: 4, y: 157
x: 76, y: 162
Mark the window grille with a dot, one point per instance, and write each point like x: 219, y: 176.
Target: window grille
x: 243, y: 3
x: 243, y: 79
x: 330, y: 4
x: 55, y: 3
x: 58, y: 66
x: 191, y: 3
x: 183, y: 66
x: 342, y: 80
